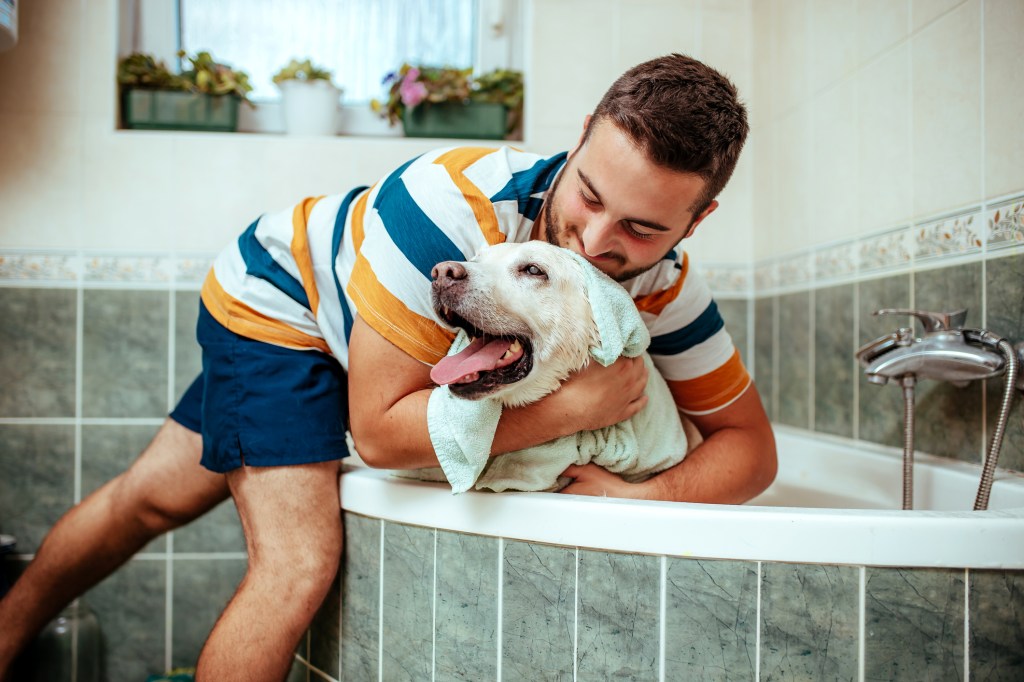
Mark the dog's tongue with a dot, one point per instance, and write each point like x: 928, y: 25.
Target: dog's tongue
x: 479, y: 356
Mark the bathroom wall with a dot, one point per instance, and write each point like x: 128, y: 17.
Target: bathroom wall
x: 888, y: 174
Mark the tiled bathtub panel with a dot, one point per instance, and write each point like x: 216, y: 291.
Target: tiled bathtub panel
x: 619, y: 610
x: 949, y: 419
x: 124, y: 353
x: 914, y: 624
x: 764, y: 345
x: 37, y: 480
x: 325, y: 632
x: 710, y: 620
x: 408, y: 577
x: 794, y: 349
x: 735, y: 315
x: 188, y: 358
x: 538, y: 608
x: 1004, y: 297
x: 996, y: 625
x: 107, y: 451
x: 131, y: 606
x: 38, y: 359
x: 360, y: 598
x: 202, y: 589
x: 833, y: 360
x: 881, y: 407
x: 467, y: 607
x: 810, y: 621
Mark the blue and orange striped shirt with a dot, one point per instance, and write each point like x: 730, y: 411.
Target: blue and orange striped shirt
x: 297, y: 278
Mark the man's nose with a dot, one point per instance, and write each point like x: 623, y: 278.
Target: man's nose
x: 597, y: 237
x: 448, y: 270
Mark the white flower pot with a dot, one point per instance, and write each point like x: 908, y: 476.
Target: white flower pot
x: 310, y: 107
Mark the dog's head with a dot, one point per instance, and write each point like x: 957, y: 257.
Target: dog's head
x: 525, y: 308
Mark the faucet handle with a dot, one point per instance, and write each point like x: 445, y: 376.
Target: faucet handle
x: 933, y: 322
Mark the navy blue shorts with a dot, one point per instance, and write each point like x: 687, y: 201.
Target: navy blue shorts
x: 257, y: 404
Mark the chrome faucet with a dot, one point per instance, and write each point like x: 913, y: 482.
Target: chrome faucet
x: 946, y: 351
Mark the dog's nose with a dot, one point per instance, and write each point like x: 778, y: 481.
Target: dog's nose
x: 448, y: 269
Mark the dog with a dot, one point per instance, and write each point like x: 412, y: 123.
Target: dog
x: 531, y: 324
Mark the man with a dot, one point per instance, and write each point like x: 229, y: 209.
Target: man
x: 339, y: 285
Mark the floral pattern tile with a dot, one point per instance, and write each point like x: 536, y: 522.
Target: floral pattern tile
x: 1004, y: 225
x: 957, y: 235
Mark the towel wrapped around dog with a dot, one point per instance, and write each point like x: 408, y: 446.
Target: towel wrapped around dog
x: 462, y: 431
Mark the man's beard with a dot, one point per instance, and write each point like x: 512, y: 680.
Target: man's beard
x: 552, y: 233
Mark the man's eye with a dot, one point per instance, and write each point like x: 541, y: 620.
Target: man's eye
x: 587, y: 200
x: 534, y: 271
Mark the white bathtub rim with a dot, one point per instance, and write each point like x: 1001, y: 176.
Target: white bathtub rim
x: 991, y: 539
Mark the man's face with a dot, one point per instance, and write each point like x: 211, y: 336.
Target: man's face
x: 616, y: 208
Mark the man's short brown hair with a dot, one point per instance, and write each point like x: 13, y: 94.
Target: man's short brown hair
x: 683, y: 115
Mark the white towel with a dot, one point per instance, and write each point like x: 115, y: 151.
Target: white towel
x: 462, y: 431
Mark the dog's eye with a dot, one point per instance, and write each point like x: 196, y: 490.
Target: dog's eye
x: 533, y: 270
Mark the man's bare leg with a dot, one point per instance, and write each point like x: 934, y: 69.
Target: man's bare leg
x: 292, y: 522
x: 164, y: 488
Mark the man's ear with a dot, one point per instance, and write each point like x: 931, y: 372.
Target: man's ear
x: 583, y: 134
x: 704, y: 214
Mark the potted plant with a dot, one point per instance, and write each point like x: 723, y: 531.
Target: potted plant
x: 450, y: 102
x: 204, y: 97
x: 310, y: 98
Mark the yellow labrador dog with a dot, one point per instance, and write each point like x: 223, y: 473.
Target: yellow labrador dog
x: 527, y: 309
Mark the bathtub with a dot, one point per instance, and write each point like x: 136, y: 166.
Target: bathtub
x: 821, y: 576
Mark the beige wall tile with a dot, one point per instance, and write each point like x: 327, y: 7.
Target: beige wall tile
x: 834, y: 195
x: 764, y: 101
x: 727, y: 42
x: 947, y: 111
x: 574, y: 47
x: 880, y: 25
x: 764, y: 221
x: 1004, y: 99
x: 650, y: 28
x: 791, y: 47
x: 885, y: 171
x: 40, y: 74
x: 793, y: 170
x: 834, y: 43
x: 41, y: 181
x: 726, y: 236
x: 926, y: 11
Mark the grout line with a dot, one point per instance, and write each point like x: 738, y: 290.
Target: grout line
x: 663, y: 585
x: 169, y: 589
x: 812, y: 389
x: 967, y: 625
x: 757, y: 631
x: 380, y: 609
x: 433, y: 617
x: 501, y: 603
x: 79, y: 355
x: 576, y: 615
x: 861, y: 620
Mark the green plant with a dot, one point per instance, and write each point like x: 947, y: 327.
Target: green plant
x: 139, y: 70
x: 301, y: 71
x: 411, y: 86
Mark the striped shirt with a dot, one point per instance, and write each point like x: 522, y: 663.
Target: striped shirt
x: 297, y: 278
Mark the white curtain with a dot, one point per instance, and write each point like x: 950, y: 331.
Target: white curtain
x: 359, y: 40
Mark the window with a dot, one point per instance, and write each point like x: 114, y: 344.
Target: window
x: 360, y: 41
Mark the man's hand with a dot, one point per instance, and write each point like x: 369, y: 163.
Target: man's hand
x: 599, y: 396
x: 590, y: 479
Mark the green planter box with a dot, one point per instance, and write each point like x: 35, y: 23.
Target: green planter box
x: 173, y: 110
x: 477, y: 120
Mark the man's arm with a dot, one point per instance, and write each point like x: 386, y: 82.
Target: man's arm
x: 735, y: 462
x: 388, y: 394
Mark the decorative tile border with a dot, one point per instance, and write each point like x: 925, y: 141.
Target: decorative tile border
x: 1004, y: 224
x: 891, y: 250
x: 40, y: 267
x: 958, y: 235
x: 89, y: 269
x: 727, y: 279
